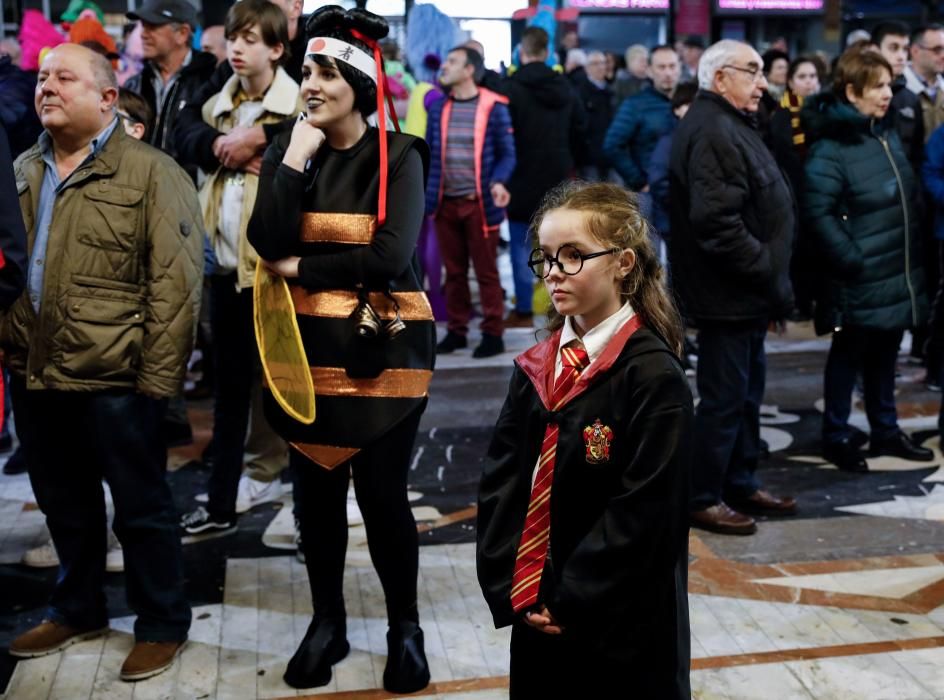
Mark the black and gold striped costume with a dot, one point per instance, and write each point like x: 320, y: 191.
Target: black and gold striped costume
x: 328, y: 216
x: 369, y: 394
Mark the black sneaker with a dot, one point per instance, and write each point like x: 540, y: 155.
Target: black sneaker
x: 490, y: 345
x: 199, y: 523
x: 452, y: 341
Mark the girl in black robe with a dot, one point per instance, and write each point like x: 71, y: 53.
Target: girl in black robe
x: 606, y: 606
x: 338, y: 214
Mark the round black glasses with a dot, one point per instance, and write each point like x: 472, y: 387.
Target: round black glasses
x: 569, y: 260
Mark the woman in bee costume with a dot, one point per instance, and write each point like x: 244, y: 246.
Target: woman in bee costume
x: 338, y: 213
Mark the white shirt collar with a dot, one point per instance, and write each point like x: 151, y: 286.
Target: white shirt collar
x: 596, y: 339
x: 917, y: 84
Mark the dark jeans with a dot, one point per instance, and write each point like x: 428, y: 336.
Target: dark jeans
x: 73, y: 440
x: 380, y: 482
x: 732, y: 368
x: 235, y: 357
x: 520, y: 252
x: 461, y: 236
x: 873, y: 353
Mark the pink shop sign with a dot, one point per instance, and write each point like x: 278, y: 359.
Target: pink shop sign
x: 621, y: 4
x: 772, y: 5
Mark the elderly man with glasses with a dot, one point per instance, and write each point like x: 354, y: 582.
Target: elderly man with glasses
x: 733, y: 221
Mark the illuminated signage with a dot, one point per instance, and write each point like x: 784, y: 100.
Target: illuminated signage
x: 770, y: 5
x: 620, y: 4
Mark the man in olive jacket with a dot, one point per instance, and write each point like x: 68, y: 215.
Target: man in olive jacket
x: 96, y: 343
x: 733, y: 224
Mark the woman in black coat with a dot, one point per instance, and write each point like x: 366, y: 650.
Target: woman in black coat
x: 859, y: 206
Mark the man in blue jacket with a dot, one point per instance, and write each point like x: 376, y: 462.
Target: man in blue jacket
x: 472, y: 157
x: 642, y: 120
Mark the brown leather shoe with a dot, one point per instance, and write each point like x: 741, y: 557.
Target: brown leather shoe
x: 516, y: 319
x: 724, y: 520
x: 765, y: 503
x: 149, y: 658
x: 48, y: 637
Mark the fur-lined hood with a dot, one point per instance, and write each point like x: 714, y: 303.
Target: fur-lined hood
x: 826, y: 116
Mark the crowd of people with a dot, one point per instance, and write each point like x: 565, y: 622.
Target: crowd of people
x: 158, y: 212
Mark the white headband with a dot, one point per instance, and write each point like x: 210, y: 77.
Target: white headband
x: 343, y: 51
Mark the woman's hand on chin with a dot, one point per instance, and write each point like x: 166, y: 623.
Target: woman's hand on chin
x: 286, y: 267
x: 306, y: 140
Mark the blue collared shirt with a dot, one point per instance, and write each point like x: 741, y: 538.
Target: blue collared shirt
x: 50, y: 188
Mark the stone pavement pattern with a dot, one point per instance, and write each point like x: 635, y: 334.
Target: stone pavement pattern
x: 844, y: 601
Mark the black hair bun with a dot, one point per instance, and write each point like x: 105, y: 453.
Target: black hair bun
x: 325, y: 20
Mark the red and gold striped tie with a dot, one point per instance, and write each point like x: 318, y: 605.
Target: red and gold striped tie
x: 532, y: 550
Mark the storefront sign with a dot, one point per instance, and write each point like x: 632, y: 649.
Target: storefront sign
x: 640, y: 5
x: 750, y: 6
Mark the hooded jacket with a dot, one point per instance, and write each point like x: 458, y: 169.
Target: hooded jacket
x: 859, y: 203
x: 733, y: 217
x: 549, y: 123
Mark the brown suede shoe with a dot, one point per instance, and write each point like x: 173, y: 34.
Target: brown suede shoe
x: 149, y: 658
x: 48, y: 637
x: 765, y: 503
x: 516, y: 319
x: 721, y: 518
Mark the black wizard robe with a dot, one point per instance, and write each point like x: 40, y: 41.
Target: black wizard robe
x: 616, y: 574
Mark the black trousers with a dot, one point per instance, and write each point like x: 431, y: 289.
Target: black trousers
x: 380, y: 474
x: 72, y: 441
x: 874, y: 354
x: 732, y: 369
x: 236, y: 357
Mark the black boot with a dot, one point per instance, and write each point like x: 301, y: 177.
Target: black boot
x: 407, y: 670
x: 491, y: 345
x: 324, y: 645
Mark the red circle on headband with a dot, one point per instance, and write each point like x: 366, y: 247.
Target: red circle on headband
x: 317, y: 45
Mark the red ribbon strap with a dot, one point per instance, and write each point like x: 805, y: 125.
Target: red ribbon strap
x: 383, y: 90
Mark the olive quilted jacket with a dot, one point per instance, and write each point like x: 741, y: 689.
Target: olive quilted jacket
x: 123, y: 274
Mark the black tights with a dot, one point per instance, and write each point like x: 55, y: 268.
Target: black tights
x: 380, y: 482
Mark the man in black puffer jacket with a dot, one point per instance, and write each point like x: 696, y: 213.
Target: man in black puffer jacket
x: 549, y: 123
x: 733, y: 223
